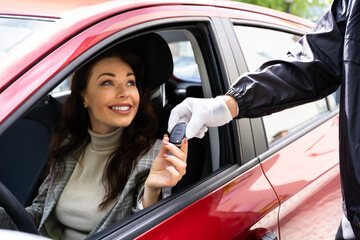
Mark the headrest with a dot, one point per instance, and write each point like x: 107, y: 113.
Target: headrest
x: 156, y: 56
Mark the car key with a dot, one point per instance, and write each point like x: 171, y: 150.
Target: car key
x: 178, y: 133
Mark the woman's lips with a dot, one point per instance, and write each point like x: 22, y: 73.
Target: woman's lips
x: 122, y: 109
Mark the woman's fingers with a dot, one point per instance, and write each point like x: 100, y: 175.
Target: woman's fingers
x: 163, y: 149
x: 184, y: 146
x: 181, y: 152
x: 176, y: 175
x: 177, y: 163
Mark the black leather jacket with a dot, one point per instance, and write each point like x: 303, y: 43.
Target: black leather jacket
x: 323, y: 60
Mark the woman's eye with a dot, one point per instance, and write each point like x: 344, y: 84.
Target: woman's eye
x: 107, y: 83
x: 131, y: 83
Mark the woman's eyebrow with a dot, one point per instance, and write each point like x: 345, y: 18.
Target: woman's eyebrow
x: 113, y: 75
x: 106, y: 74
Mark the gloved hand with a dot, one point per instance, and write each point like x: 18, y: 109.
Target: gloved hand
x: 200, y: 113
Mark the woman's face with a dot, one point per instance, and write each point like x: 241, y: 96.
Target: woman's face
x: 111, y: 96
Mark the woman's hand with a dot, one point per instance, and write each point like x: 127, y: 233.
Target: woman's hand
x: 166, y: 170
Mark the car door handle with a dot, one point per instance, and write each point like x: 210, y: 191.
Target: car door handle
x: 270, y: 236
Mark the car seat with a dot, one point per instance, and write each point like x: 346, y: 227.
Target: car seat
x: 156, y: 57
x: 24, y: 149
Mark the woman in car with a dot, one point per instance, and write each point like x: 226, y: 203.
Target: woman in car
x: 104, y: 162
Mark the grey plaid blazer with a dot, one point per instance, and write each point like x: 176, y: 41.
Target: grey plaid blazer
x: 43, y: 205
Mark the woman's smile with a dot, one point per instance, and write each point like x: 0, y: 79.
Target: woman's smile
x: 121, y: 108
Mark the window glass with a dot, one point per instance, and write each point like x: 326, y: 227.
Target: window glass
x: 259, y: 45
x: 17, y: 30
x: 185, y: 66
x: 278, y: 125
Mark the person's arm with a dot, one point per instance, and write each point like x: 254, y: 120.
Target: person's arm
x: 36, y: 209
x: 5, y: 221
x: 232, y: 105
x: 311, y: 71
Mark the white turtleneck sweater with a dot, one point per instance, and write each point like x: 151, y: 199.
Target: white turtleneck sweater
x: 78, y: 206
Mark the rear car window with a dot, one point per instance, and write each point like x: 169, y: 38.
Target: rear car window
x: 259, y: 45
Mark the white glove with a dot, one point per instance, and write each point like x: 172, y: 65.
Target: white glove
x: 200, y: 113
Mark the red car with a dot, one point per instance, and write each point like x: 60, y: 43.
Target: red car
x: 275, y: 177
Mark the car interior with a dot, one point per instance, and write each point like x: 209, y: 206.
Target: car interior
x: 165, y: 54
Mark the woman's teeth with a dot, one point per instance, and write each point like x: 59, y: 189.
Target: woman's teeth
x: 125, y: 108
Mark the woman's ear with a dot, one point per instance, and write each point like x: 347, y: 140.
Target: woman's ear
x: 85, y: 102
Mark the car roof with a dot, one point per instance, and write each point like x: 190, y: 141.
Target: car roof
x: 57, y: 9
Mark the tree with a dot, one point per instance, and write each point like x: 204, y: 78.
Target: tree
x: 309, y: 9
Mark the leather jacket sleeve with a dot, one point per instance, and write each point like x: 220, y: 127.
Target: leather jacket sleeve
x: 309, y: 72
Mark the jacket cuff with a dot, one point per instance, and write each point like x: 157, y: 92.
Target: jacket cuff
x: 139, y: 205
x: 236, y: 95
x: 139, y: 200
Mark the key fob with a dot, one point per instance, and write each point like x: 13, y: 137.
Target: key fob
x: 178, y: 133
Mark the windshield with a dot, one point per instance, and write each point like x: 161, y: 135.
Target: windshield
x: 16, y: 30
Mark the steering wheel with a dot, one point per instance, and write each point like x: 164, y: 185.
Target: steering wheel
x: 16, y: 211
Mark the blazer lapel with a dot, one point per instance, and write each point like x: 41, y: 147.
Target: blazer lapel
x: 53, y: 196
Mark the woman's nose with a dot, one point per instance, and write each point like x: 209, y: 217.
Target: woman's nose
x: 122, y: 92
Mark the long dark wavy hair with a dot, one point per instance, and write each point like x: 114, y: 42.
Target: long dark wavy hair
x: 72, y: 135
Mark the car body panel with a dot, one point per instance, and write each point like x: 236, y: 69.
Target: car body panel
x: 223, y: 214
x: 304, y: 191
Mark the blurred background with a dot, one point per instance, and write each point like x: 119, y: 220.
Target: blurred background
x: 309, y: 9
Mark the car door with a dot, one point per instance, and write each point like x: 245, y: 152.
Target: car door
x: 227, y: 194
x: 300, y: 153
